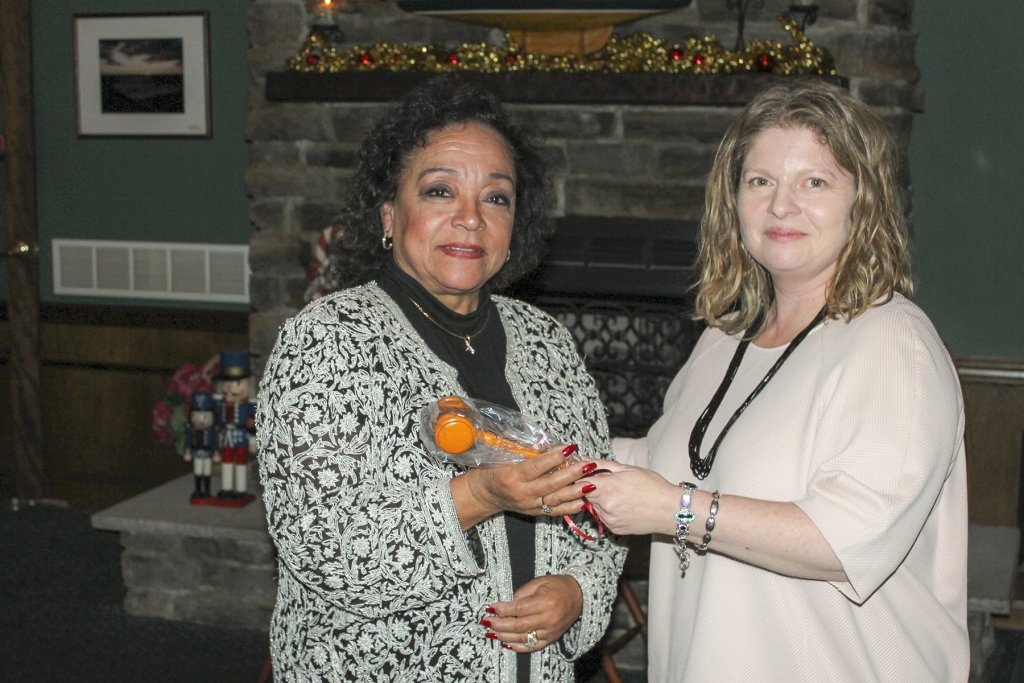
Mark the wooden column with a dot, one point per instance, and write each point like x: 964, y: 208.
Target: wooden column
x: 21, y: 244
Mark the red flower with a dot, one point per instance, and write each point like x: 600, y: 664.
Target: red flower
x: 170, y: 414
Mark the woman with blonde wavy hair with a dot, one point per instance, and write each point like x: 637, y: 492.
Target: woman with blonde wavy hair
x: 806, y: 484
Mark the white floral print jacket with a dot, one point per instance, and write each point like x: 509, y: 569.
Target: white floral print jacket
x: 377, y: 581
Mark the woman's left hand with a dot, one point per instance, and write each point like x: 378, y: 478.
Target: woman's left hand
x: 546, y: 607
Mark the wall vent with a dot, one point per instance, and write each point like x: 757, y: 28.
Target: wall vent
x: 151, y: 270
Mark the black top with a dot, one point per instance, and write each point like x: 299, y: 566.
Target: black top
x: 482, y: 376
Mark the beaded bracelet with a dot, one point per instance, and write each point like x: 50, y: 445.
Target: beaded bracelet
x: 709, y: 525
x: 683, y: 519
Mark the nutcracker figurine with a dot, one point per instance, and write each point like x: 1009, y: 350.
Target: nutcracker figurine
x: 236, y: 423
x: 201, y: 443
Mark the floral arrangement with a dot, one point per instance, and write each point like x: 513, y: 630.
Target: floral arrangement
x: 170, y: 414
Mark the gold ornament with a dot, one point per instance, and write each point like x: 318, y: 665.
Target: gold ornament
x: 636, y: 53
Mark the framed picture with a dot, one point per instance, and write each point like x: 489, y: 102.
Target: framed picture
x: 142, y: 75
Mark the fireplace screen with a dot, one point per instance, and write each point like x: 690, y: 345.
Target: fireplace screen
x: 622, y: 287
x: 633, y: 349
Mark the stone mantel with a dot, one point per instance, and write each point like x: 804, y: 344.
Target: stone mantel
x: 538, y: 87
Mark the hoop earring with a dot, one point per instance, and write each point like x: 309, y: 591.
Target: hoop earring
x: 386, y: 242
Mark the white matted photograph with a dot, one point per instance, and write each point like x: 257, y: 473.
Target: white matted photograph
x: 142, y: 75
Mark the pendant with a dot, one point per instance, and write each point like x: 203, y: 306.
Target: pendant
x: 469, y: 346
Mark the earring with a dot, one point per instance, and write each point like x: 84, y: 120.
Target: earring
x: 508, y: 255
x: 386, y: 242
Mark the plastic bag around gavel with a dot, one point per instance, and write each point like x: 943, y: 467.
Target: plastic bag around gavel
x: 476, y: 433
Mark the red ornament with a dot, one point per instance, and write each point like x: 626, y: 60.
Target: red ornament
x: 453, y: 58
x: 511, y: 58
x: 675, y: 55
x: 698, y: 59
x: 765, y: 63
x: 366, y: 59
x: 312, y: 59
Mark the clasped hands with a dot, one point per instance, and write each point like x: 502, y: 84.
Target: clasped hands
x: 542, y: 485
x: 626, y: 499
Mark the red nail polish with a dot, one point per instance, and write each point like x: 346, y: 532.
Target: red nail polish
x: 486, y: 622
x: 568, y: 450
x: 589, y: 467
x: 506, y: 646
x: 490, y: 610
x: 587, y: 488
x: 492, y: 635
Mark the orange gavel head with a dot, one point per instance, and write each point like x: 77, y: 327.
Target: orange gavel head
x: 454, y: 433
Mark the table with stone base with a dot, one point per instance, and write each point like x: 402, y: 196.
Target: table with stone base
x: 992, y: 559
x: 200, y: 564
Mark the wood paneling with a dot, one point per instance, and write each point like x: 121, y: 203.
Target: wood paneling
x: 995, y: 425
x: 102, y: 371
x: 20, y: 248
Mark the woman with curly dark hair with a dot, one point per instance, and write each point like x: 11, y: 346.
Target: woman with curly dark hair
x: 357, y: 254
x: 394, y: 566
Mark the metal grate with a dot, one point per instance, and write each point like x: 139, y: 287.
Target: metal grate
x: 622, y: 287
x: 151, y: 270
x: 633, y: 349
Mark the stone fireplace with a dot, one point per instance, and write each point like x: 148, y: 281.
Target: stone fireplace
x: 629, y: 156
x: 633, y: 153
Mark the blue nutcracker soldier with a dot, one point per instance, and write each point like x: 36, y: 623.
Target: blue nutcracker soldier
x: 201, y: 442
x: 236, y: 422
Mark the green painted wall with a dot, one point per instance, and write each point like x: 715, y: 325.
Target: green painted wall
x: 172, y: 190
x: 967, y: 161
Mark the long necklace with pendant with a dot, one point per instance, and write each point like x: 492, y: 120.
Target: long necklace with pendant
x: 701, y: 467
x: 466, y: 338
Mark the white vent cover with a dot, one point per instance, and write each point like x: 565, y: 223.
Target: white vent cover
x: 151, y: 270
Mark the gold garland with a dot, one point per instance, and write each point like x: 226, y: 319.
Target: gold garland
x: 639, y: 52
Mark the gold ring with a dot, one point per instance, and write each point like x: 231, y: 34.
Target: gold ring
x: 544, y: 507
x: 531, y: 639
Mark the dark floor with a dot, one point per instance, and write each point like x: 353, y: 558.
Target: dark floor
x: 61, y: 617
x: 1006, y: 663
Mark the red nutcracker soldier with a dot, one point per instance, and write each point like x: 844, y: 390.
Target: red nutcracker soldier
x: 201, y: 443
x: 236, y: 424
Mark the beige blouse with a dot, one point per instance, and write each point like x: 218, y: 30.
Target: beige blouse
x: 863, y: 429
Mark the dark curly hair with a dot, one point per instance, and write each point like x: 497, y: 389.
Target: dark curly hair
x: 356, y: 253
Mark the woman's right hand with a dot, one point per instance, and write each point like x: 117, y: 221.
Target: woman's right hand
x: 483, y: 492
x: 633, y: 500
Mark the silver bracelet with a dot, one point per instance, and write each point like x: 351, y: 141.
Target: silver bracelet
x: 684, y: 517
x: 709, y: 525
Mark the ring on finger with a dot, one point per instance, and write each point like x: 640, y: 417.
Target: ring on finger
x: 544, y: 507
x: 531, y: 639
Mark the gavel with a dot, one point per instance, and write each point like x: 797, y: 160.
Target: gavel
x: 456, y: 432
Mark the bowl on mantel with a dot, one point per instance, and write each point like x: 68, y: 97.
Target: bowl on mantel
x: 553, y: 27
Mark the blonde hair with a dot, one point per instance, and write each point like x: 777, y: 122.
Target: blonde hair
x: 734, y: 291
